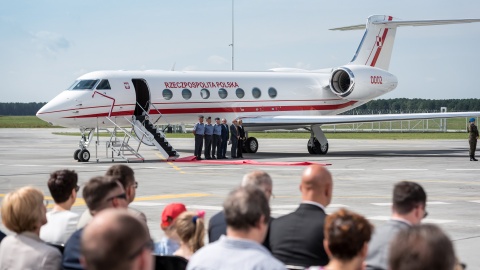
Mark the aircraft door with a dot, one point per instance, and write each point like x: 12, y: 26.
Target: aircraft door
x: 142, y: 96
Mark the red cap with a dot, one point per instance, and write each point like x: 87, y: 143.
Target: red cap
x: 171, y: 212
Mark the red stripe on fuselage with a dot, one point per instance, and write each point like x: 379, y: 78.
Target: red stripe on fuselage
x: 228, y: 110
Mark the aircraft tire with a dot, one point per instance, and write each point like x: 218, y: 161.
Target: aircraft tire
x: 251, y: 145
x: 84, y: 155
x: 75, y: 154
x: 317, y: 148
x: 310, y: 148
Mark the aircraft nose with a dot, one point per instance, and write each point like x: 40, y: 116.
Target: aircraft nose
x: 45, y: 113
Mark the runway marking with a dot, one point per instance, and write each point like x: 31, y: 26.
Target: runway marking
x: 462, y: 169
x: 404, y: 169
x: 475, y: 201
x: 428, y: 203
x: 171, y: 196
x: 331, y: 169
x: 170, y: 163
x: 427, y: 220
x: 25, y: 165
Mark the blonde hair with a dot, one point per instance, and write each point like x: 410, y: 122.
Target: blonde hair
x: 191, y: 230
x: 21, y: 209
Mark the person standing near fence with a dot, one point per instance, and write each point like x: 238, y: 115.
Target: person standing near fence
x: 472, y: 138
x: 199, y: 132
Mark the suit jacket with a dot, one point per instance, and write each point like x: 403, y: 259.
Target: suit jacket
x: 2, y: 235
x: 377, y: 257
x: 225, y: 134
x: 297, y: 238
x: 27, y: 251
x: 71, y: 253
x: 241, y: 132
x: 233, y: 132
x: 217, y: 226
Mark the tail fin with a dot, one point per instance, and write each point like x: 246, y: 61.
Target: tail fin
x: 376, y: 46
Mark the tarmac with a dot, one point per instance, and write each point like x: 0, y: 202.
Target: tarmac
x: 364, y: 172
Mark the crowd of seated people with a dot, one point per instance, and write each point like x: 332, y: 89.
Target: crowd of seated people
x: 110, y: 235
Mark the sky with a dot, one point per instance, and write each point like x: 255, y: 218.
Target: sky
x: 46, y: 44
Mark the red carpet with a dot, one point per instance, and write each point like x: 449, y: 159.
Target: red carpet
x: 248, y: 162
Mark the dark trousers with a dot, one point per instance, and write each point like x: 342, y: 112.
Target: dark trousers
x: 198, y: 145
x: 223, y: 148
x: 208, y: 145
x: 240, y: 148
x: 233, y: 150
x: 473, y: 147
x: 216, y: 145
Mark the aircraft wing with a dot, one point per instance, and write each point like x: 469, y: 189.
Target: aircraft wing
x: 272, y: 122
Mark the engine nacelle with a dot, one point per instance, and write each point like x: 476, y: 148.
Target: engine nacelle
x: 355, y: 82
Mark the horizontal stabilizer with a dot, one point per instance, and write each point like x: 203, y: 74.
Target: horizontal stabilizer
x: 397, y: 23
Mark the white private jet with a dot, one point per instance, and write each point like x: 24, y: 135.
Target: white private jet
x: 284, y: 98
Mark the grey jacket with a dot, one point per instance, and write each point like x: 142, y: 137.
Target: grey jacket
x: 378, y: 248
x: 27, y: 251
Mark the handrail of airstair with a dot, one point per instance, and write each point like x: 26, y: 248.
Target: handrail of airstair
x: 103, y: 95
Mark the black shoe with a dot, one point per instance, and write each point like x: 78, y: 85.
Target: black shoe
x: 474, y: 159
x: 213, y: 157
x: 199, y: 158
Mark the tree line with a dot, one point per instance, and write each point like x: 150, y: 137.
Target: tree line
x: 396, y: 105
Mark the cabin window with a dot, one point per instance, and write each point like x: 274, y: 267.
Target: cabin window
x: 256, y: 93
x: 167, y: 94
x: 104, y: 85
x: 84, y: 85
x: 186, y: 94
x: 222, y: 93
x: 204, y: 93
x: 272, y: 92
x: 240, y: 93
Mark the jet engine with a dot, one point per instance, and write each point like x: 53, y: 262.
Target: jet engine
x: 355, y: 82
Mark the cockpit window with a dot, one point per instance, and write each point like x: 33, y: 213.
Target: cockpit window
x: 84, y: 85
x: 104, y: 85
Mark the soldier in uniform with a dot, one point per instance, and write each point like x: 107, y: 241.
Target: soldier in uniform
x: 208, y: 137
x: 199, y: 132
x: 217, y: 139
x: 472, y: 138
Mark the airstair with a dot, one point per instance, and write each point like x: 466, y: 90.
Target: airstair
x: 142, y: 130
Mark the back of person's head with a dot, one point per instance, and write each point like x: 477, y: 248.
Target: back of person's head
x: 123, y: 174
x: 317, y: 184
x: 99, y: 191
x: 23, y: 210
x: 260, y: 179
x: 114, y: 240
x: 190, y: 228
x: 244, y: 208
x: 346, y: 235
x: 422, y: 247
x: 407, y: 196
x: 61, y: 184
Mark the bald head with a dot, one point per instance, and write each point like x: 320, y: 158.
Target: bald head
x: 115, y: 239
x: 316, y: 185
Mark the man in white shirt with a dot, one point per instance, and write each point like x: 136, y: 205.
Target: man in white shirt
x: 61, y: 222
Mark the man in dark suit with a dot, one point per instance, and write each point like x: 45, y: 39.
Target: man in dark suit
x: 241, y: 139
x: 99, y: 193
x: 234, y: 138
x: 224, y: 137
x: 409, y: 202
x: 297, y: 238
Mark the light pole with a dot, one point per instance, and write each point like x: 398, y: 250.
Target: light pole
x: 233, y: 35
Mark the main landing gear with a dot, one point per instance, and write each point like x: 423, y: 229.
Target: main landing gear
x: 82, y: 154
x: 318, y: 143
x: 250, y: 145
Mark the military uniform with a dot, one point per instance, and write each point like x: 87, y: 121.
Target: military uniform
x: 472, y: 139
x: 208, y: 139
x: 199, y: 131
x: 217, y: 139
